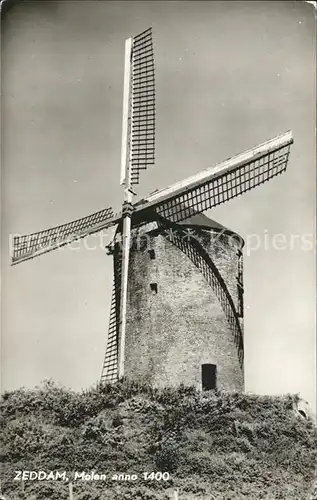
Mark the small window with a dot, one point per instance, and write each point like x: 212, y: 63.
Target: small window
x: 302, y: 413
x: 209, y: 377
x: 152, y: 254
x: 153, y: 287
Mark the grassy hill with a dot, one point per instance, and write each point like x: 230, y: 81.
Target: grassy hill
x: 216, y: 446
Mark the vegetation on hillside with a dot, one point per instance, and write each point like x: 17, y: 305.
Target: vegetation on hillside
x: 217, y: 446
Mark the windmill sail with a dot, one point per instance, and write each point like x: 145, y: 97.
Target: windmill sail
x: 138, y: 138
x: 31, y: 245
x: 137, y: 151
x: 142, y: 152
x: 110, y: 366
x: 223, y: 182
x: 143, y: 105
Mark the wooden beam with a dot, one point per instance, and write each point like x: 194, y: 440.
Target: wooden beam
x: 125, y: 110
x: 125, y: 180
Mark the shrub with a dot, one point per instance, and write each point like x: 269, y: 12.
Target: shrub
x: 215, y: 445
x: 167, y: 459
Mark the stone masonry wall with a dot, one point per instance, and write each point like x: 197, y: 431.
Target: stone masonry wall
x: 171, y: 333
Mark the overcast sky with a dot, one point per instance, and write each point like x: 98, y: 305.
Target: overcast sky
x: 229, y: 75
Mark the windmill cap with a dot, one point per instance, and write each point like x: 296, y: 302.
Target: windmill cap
x: 203, y: 222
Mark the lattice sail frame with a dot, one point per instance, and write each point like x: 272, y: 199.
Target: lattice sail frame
x: 138, y: 137
x: 31, y: 245
x: 223, y: 182
x: 110, y: 367
x: 142, y: 148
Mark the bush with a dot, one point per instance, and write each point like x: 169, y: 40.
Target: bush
x: 168, y: 458
x: 215, y: 445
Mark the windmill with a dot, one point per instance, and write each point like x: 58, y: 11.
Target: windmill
x: 173, y: 221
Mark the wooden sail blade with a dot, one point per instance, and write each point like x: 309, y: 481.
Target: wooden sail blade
x: 221, y: 183
x: 138, y: 136
x: 110, y: 370
x: 35, y: 244
x: 137, y: 149
x: 110, y: 366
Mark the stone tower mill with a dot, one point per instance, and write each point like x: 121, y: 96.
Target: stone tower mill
x: 185, y: 305
x: 177, y: 301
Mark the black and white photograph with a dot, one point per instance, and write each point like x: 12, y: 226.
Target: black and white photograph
x: 158, y: 250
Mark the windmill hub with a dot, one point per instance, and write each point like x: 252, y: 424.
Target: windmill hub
x: 110, y: 248
x: 127, y: 209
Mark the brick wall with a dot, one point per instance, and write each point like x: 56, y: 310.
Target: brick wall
x: 171, y: 332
